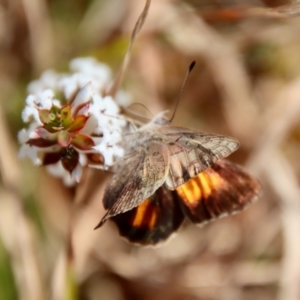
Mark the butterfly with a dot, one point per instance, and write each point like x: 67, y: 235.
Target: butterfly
x: 171, y: 173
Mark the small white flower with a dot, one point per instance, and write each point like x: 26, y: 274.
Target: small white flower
x: 62, y: 132
x: 30, y: 152
x: 48, y: 80
x: 91, y: 67
x: 123, y: 98
x: 57, y: 170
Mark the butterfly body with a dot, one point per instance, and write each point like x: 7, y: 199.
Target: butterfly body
x: 183, y: 152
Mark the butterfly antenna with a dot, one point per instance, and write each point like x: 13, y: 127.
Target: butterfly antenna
x: 182, y: 88
x: 138, y: 26
x: 131, y: 112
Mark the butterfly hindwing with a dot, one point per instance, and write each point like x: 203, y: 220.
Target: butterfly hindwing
x: 223, y: 189
x: 153, y: 221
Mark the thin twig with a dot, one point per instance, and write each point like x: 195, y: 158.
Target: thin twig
x: 138, y: 26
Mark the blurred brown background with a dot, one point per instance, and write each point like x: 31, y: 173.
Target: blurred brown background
x: 246, y: 84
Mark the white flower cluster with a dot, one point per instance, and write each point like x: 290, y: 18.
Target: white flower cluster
x: 95, y: 118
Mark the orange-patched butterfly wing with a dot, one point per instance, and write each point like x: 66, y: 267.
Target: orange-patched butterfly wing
x: 153, y: 221
x: 222, y: 189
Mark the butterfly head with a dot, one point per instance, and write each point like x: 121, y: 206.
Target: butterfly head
x: 160, y: 118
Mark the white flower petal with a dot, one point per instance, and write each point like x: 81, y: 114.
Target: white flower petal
x: 111, y: 106
x: 30, y: 152
x: 68, y: 85
x: 30, y: 100
x: 57, y: 170
x: 27, y: 114
x: 123, y: 98
x: 47, y: 80
x: 77, y: 173
x: 90, y: 125
x: 92, y: 67
x: 82, y: 159
x: 45, y: 99
x: 83, y: 96
x: 23, y: 136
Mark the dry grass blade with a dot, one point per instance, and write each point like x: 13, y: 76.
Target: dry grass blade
x: 292, y: 9
x: 40, y: 34
x: 278, y: 122
x: 19, y: 242
x: 284, y: 182
x: 138, y: 26
x: 270, y: 161
x: 240, y: 13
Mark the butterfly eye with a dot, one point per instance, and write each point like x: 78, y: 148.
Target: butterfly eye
x: 161, y: 121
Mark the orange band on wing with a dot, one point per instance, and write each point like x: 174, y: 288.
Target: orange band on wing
x: 190, y: 191
x: 200, y: 187
x: 209, y: 181
x: 145, y: 215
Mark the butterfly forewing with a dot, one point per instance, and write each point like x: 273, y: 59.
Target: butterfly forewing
x: 192, y: 152
x: 138, y: 178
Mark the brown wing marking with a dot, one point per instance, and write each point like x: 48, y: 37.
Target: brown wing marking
x: 220, y: 190
x: 192, y: 154
x: 153, y: 221
x: 137, y: 179
x: 217, y: 145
